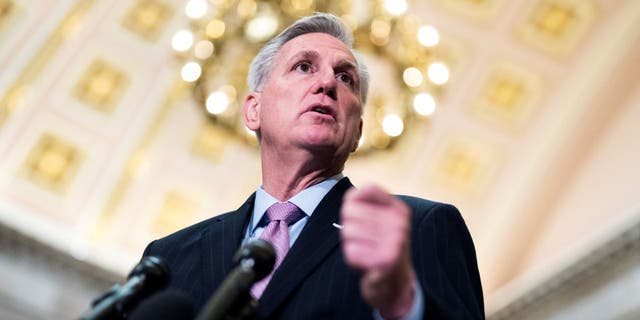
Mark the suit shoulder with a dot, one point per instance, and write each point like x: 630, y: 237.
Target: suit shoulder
x: 425, y: 205
x: 185, y: 236
x: 427, y: 210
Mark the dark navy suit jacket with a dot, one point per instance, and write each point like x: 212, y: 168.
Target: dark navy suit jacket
x: 313, y: 281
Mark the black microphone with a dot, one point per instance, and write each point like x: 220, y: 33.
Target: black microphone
x: 166, y: 305
x: 148, y: 276
x: 232, y: 300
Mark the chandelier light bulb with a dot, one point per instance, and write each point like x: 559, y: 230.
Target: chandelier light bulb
x: 191, y: 71
x: 203, y: 49
x: 261, y: 28
x: 182, y: 40
x: 396, y: 7
x: 196, y: 9
x: 412, y: 77
x: 438, y: 73
x: 392, y: 125
x: 217, y: 102
x: 428, y: 36
x: 424, y: 104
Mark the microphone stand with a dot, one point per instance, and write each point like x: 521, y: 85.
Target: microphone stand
x: 148, y: 276
x: 111, y: 305
x: 234, y: 294
x: 233, y: 300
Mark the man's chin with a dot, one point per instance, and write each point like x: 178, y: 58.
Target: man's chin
x: 319, y: 146
x: 324, y: 148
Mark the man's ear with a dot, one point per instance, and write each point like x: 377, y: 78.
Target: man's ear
x: 357, y: 142
x: 251, y: 111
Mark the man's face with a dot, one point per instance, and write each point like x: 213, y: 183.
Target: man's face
x: 311, y: 99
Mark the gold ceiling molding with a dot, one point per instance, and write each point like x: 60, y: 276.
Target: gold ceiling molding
x: 7, y: 10
x: 478, y: 10
x: 20, y: 91
x: 147, y: 18
x: 52, y: 163
x: 136, y: 163
x: 178, y: 210
x: 101, y: 86
x: 465, y: 165
x: 508, y: 95
x: 557, y: 26
x: 210, y: 142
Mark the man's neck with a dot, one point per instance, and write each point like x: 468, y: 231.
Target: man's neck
x: 285, y: 176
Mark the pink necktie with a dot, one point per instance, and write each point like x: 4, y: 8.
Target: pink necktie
x: 281, y: 215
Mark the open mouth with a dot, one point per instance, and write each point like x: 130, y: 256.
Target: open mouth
x: 321, y: 110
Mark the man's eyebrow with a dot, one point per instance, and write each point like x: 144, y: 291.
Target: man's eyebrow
x: 305, y: 55
x: 346, y: 65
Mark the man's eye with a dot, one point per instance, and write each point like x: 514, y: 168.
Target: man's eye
x: 303, y: 67
x: 345, y: 78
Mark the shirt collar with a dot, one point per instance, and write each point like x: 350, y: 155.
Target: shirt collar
x: 307, y: 200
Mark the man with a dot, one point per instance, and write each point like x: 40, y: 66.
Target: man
x: 342, y: 253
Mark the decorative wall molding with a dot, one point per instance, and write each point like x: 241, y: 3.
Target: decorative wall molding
x: 41, y: 282
x: 599, y: 284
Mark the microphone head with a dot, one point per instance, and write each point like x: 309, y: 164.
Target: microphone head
x: 155, y: 272
x: 169, y: 305
x: 258, y: 252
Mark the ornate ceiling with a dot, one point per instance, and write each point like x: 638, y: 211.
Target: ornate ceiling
x: 103, y: 148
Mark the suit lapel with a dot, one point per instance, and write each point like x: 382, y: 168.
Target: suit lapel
x: 220, y: 242
x: 317, y: 240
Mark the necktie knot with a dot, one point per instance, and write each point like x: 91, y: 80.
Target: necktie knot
x: 287, y: 212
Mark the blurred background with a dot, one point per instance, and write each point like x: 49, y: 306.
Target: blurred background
x: 119, y: 124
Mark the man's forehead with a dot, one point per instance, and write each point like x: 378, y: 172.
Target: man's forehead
x: 316, y: 42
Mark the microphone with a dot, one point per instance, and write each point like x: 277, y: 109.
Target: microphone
x: 253, y: 261
x: 147, y: 277
x: 169, y: 305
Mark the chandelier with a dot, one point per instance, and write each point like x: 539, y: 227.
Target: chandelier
x: 408, y: 72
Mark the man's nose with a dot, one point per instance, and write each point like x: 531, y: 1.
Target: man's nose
x: 327, y: 84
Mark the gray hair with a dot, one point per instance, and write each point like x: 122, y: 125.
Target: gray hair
x: 320, y: 22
